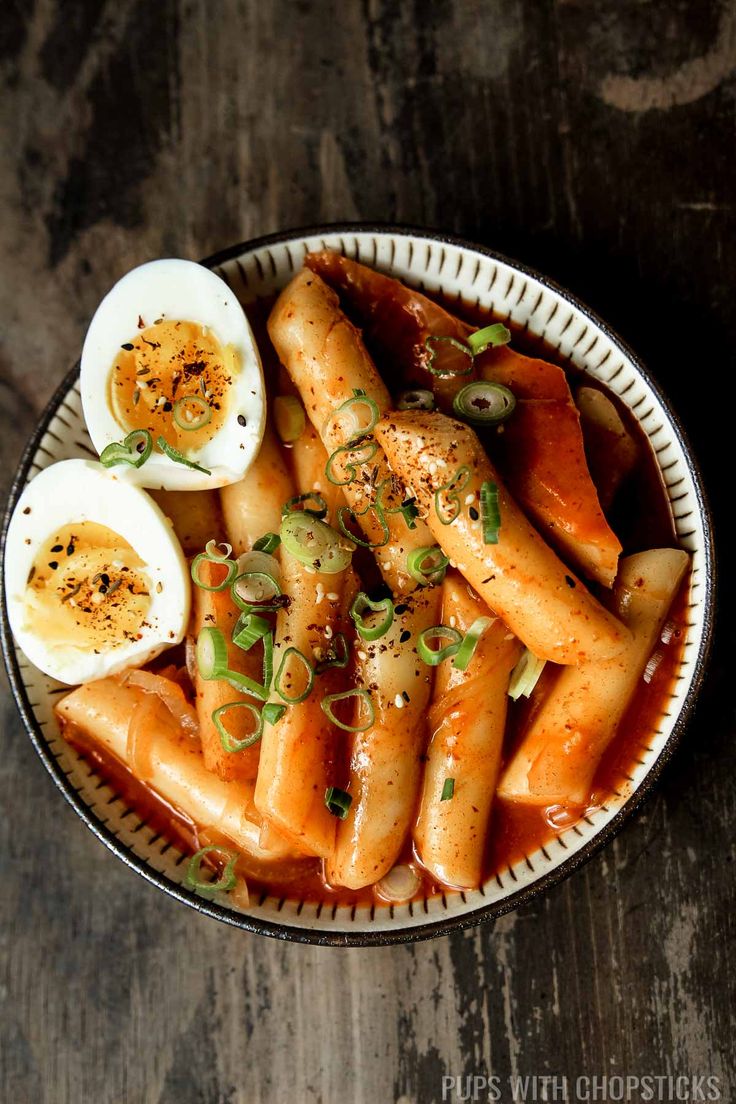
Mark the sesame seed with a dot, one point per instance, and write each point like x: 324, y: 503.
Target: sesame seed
x: 399, y: 701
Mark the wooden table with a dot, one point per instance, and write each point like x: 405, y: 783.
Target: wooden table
x: 592, y: 141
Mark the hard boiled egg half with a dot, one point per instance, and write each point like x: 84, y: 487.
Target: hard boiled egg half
x: 170, y: 352
x: 95, y: 578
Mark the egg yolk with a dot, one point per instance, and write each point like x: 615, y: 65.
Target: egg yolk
x: 87, y: 589
x: 173, y: 379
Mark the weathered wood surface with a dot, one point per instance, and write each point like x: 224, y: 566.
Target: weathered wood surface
x: 594, y: 141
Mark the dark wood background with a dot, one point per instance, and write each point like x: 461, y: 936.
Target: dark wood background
x: 593, y: 140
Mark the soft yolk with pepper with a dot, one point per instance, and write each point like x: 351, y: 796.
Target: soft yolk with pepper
x: 87, y: 589
x: 173, y: 379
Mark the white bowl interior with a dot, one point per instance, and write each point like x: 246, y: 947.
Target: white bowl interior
x: 454, y: 270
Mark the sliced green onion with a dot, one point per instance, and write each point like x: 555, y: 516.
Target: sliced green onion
x: 179, y: 457
x: 288, y: 414
x: 448, y: 790
x: 213, y: 551
x: 134, y: 450
x: 268, y: 543
x: 346, y: 511
x: 315, y: 543
x: 362, y: 695
x: 211, y: 653
x: 272, y: 713
x: 362, y: 605
x: 351, y: 406
x: 490, y: 512
x: 212, y: 664
x: 338, y: 801
x: 256, y: 591
x: 228, y: 742
x: 484, y: 403
x: 191, y: 412
x: 427, y: 565
x: 431, y: 343
x: 420, y: 399
x: 452, y: 491
x: 268, y: 660
x: 296, y: 503
x: 281, y: 674
x: 525, y: 675
x: 249, y: 629
x: 497, y: 334
x: 434, y: 656
x: 337, y: 656
x: 223, y: 561
x: 408, y: 510
x: 370, y: 447
x: 470, y: 642
x: 228, y: 878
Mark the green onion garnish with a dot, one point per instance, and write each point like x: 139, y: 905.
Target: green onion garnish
x: 363, y: 697
x: 338, y: 801
x: 427, y: 565
x: 315, y: 543
x: 452, y: 491
x: 281, y: 676
x: 484, y: 403
x: 434, y: 656
x: 179, y: 457
x: 212, y: 664
x: 346, y: 512
x: 227, y: 880
x: 256, y: 591
x: 272, y: 713
x: 408, y: 510
x: 448, y: 789
x: 337, y: 656
x: 212, y: 555
x: 352, y: 406
x: 525, y: 675
x: 269, y: 542
x: 490, y: 512
x: 470, y: 642
x: 134, y: 450
x: 296, y: 503
x: 191, y: 412
x: 419, y: 399
x: 497, y: 334
x: 430, y: 344
x: 368, y: 448
x: 288, y: 414
x: 362, y: 605
x: 228, y: 742
x: 249, y: 629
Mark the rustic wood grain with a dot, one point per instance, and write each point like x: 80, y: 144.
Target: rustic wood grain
x: 594, y: 141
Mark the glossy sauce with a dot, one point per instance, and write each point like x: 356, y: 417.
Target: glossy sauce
x: 641, y: 518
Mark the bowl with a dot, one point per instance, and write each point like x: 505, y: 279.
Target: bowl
x: 437, y: 263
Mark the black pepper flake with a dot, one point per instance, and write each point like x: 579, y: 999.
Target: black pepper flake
x: 31, y: 573
x: 53, y: 565
x: 70, y: 549
x: 405, y: 696
x: 241, y: 419
x: 489, y: 579
x: 401, y: 608
x: 27, y: 510
x: 143, y: 371
x: 58, y: 548
x: 136, y: 396
x: 406, y: 635
x: 570, y: 581
x: 167, y: 406
x: 128, y: 346
x: 473, y: 513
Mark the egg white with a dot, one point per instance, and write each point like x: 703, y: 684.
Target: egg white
x: 183, y: 291
x: 70, y: 492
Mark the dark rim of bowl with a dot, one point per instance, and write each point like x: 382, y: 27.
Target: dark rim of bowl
x: 346, y: 938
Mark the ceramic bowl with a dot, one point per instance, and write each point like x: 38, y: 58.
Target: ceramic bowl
x: 453, y: 267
